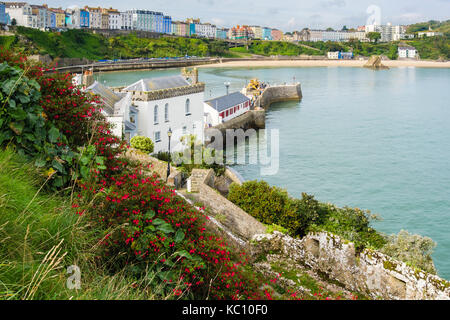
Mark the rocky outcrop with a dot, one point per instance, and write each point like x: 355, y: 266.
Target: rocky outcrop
x: 370, y: 272
x: 375, y: 63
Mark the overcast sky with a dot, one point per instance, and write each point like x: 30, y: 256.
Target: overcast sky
x: 287, y: 15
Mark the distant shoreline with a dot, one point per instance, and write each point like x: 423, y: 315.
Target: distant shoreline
x: 324, y: 63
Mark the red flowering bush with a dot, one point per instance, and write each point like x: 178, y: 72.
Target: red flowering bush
x: 152, y: 228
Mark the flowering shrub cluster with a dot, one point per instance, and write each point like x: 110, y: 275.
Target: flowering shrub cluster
x: 147, y: 227
x: 146, y: 224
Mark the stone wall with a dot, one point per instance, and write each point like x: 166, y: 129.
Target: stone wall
x: 253, y: 119
x: 157, y: 166
x: 227, y: 213
x: 168, y: 93
x: 278, y: 94
x: 371, y: 273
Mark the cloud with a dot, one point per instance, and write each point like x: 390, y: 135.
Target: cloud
x: 334, y: 3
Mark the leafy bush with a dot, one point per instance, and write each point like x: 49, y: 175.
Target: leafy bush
x: 142, y: 143
x: 352, y: 224
x: 415, y: 250
x: 272, y: 205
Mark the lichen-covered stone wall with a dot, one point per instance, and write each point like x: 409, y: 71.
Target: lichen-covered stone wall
x: 371, y: 273
x: 229, y: 215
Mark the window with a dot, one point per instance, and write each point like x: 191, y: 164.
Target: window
x: 166, y: 112
x: 155, y: 115
x: 184, y: 130
x: 157, y: 136
x: 187, y: 108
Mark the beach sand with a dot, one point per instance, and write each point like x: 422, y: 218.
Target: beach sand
x: 323, y: 63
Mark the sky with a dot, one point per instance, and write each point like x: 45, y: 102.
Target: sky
x: 287, y: 15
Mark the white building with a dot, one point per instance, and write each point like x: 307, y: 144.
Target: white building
x: 388, y: 32
x: 333, y: 55
x: 22, y: 13
x: 115, y: 20
x: 422, y: 34
x: 225, y: 108
x: 168, y: 103
x: 126, y: 20
x: 95, y: 17
x: 407, y: 52
x: 118, y: 110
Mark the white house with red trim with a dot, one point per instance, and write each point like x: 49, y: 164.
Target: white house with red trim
x: 225, y: 108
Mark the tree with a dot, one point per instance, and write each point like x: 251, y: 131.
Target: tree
x: 330, y: 29
x: 344, y: 28
x: 14, y: 22
x: 374, y: 36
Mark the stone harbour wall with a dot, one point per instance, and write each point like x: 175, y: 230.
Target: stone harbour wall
x: 371, y: 273
x: 278, y: 94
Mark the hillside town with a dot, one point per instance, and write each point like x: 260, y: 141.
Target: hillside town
x: 45, y: 18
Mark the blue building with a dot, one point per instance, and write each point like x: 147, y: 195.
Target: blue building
x: 192, y: 29
x: 84, y: 19
x: 345, y: 55
x: 221, y: 33
x: 158, y: 22
x: 3, y: 19
x: 266, y: 34
x: 52, y: 20
x: 167, y: 25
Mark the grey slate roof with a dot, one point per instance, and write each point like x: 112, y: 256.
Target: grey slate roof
x: 228, y: 101
x: 108, y: 96
x: 158, y: 84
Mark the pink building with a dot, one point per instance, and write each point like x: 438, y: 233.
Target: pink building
x: 277, y: 35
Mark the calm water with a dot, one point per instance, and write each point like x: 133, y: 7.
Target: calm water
x: 373, y: 140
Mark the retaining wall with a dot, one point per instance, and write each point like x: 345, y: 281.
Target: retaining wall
x: 227, y: 213
x: 371, y: 273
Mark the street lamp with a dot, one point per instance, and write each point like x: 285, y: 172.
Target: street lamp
x: 227, y: 85
x: 169, y: 134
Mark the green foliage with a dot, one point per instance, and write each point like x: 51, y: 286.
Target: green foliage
x: 438, y: 26
x: 432, y: 48
x: 194, y: 150
x: 31, y: 224
x: 269, y: 48
x: 415, y: 250
x: 352, y: 224
x: 374, y: 36
x: 145, y: 144
x: 23, y: 126
x: 85, y: 44
x: 272, y: 205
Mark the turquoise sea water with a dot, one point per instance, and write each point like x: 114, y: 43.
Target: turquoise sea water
x: 373, y: 140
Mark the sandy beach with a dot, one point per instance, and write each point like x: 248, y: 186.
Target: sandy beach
x: 323, y: 63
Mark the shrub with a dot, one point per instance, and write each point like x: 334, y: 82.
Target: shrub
x: 142, y: 143
x: 352, y: 224
x: 415, y: 250
x: 272, y: 205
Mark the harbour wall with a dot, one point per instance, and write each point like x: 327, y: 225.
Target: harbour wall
x: 279, y: 93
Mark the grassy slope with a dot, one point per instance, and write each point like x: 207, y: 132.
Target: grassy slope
x: 33, y: 223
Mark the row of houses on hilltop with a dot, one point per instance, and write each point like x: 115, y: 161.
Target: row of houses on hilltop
x: 44, y: 17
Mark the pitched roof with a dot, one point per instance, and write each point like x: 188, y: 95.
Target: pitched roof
x: 227, y: 101
x: 108, y: 96
x: 158, y: 84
